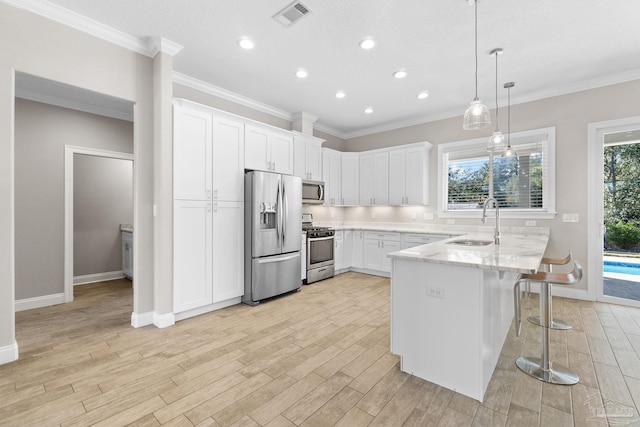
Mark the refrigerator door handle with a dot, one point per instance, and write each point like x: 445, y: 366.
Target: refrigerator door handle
x: 278, y: 258
x: 278, y: 213
x: 285, y: 213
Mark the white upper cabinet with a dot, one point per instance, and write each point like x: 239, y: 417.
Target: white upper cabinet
x: 268, y: 150
x: 350, y: 178
x: 307, y: 153
x: 228, y: 159
x: 409, y: 175
x: 331, y: 161
x: 192, y: 135
x: 374, y: 179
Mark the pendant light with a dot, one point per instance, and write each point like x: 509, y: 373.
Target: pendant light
x: 508, y: 151
x: 477, y: 115
x: 496, y: 141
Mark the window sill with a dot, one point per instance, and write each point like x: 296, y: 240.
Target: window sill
x: 503, y: 214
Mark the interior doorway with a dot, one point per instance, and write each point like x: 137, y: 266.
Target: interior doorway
x: 71, y: 154
x: 614, y: 211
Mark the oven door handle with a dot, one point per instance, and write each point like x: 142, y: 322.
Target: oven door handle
x: 315, y: 239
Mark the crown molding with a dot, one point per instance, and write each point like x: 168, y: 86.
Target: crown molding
x: 160, y: 44
x: 535, y: 96
x: 302, y: 115
x: 82, y: 23
x: 210, y: 89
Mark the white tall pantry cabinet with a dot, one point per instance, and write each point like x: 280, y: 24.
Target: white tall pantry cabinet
x: 208, y: 209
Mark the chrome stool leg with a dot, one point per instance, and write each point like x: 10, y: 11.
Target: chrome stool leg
x: 516, y: 305
x: 555, y: 323
x: 541, y: 368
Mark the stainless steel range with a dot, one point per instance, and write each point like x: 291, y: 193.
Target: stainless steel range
x: 320, y: 246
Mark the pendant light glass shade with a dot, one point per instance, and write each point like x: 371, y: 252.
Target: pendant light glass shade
x: 496, y: 141
x: 508, y: 151
x: 477, y: 115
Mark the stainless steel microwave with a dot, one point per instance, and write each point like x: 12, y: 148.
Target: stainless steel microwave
x: 312, y: 192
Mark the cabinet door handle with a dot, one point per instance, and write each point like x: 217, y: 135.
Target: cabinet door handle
x: 215, y: 207
x: 208, y: 207
x: 374, y: 200
x: 209, y: 194
x: 215, y: 194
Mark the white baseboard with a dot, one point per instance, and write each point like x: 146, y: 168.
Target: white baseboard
x: 206, y: 309
x: 9, y: 353
x: 164, y: 320
x: 38, y: 302
x: 97, y: 277
x: 565, y: 292
x: 138, y: 320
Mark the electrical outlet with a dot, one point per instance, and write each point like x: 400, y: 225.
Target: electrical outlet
x: 573, y: 217
x: 427, y: 216
x: 530, y: 223
x: 332, y: 214
x: 413, y: 215
x: 435, y: 292
x: 451, y: 221
x: 373, y: 214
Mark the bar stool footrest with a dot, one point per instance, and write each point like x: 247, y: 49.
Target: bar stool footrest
x: 558, y: 375
x: 555, y: 323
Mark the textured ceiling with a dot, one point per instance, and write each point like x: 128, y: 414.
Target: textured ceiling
x: 550, y: 47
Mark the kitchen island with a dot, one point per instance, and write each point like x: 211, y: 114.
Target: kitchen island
x: 452, y: 305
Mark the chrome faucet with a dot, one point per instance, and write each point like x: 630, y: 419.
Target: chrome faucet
x: 496, y: 235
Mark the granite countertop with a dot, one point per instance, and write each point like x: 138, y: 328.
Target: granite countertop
x: 517, y: 252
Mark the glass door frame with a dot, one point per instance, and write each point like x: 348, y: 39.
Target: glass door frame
x: 595, y: 181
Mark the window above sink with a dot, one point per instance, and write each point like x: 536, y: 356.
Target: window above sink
x: 523, y: 184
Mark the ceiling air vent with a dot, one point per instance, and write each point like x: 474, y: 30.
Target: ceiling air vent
x: 291, y: 14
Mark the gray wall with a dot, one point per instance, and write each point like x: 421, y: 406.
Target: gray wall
x: 41, y: 132
x: 102, y: 200
x: 35, y: 45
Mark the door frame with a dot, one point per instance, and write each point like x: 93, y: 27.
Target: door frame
x: 69, y: 152
x: 595, y: 223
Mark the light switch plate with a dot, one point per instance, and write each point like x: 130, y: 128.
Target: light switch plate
x: 530, y: 223
x: 451, y: 221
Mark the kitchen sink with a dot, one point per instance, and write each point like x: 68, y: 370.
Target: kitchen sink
x: 471, y: 242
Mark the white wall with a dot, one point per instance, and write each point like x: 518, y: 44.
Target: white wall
x: 102, y: 200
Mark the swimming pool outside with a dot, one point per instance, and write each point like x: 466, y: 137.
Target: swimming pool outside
x: 622, y: 268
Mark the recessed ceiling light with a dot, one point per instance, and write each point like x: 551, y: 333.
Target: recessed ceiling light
x: 423, y: 95
x: 340, y: 94
x: 302, y: 73
x: 368, y: 110
x: 400, y: 74
x: 367, y: 43
x: 245, y: 43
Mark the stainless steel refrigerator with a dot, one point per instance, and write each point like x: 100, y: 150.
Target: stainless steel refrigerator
x: 273, y: 222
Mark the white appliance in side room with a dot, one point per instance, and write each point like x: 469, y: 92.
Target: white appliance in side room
x: 273, y: 209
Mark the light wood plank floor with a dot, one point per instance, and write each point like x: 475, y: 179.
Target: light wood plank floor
x: 319, y: 357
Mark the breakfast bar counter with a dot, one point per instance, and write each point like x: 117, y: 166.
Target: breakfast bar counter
x: 452, y: 305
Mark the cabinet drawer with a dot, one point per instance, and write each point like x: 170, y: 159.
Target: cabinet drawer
x: 339, y: 234
x: 382, y: 235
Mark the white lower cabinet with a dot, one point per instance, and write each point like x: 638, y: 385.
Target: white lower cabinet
x: 338, y: 251
x: 376, y: 247
x: 357, y: 249
x: 208, y: 254
x: 127, y: 254
x: 192, y: 254
x: 228, y: 250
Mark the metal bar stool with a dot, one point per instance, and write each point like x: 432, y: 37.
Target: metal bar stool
x: 540, y: 368
x: 555, y: 323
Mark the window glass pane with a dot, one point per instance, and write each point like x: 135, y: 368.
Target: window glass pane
x: 519, y: 181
